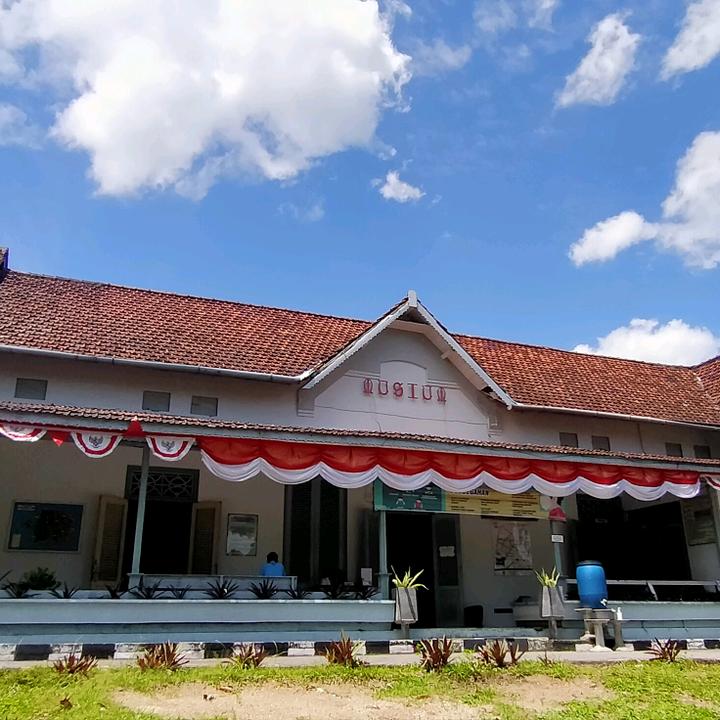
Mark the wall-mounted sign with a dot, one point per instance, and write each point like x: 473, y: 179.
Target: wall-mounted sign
x: 513, y: 550
x: 241, y: 534
x: 409, y: 390
x: 51, y: 527
x: 485, y: 502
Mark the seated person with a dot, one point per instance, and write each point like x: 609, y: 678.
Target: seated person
x: 272, y: 568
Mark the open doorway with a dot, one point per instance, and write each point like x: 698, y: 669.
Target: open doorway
x: 171, y: 497
x: 410, y: 545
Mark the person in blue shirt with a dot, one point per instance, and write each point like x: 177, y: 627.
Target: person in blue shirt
x: 272, y: 568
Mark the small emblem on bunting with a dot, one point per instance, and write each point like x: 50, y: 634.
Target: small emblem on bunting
x: 169, y: 448
x: 95, y: 445
x: 21, y: 433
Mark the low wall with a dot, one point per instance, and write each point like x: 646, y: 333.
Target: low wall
x: 124, y: 620
x: 642, y: 620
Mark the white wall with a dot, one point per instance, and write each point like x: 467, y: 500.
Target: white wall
x: 42, y: 472
x: 339, y: 402
x: 481, y: 585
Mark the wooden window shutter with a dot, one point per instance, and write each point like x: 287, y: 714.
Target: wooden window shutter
x: 203, y: 538
x: 110, y: 541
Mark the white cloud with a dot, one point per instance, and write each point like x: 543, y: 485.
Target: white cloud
x: 495, y: 16
x: 178, y: 99
x: 438, y: 57
x: 602, y: 72
x: 691, y: 215
x: 541, y: 12
x: 698, y: 42
x: 609, y: 237
x: 313, y: 212
x: 674, y: 343
x: 393, y: 188
x: 16, y: 128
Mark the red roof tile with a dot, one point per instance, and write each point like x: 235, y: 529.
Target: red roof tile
x: 709, y: 373
x: 560, y: 378
x: 52, y: 416
x: 98, y: 319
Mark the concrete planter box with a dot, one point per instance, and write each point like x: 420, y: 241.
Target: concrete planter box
x: 551, y: 603
x: 406, y: 607
x: 124, y: 611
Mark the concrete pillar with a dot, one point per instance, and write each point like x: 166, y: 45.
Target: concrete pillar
x: 140, y: 521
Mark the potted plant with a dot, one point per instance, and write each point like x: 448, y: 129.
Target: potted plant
x: 551, y: 601
x: 405, y: 595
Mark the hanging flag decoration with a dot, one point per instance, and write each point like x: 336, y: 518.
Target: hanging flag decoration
x: 95, y: 444
x: 169, y: 448
x: 21, y: 433
x: 351, y: 467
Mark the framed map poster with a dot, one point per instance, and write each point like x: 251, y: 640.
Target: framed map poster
x: 241, y: 535
x: 47, y: 527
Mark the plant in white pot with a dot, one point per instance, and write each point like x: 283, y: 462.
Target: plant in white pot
x: 551, y: 601
x: 405, y: 593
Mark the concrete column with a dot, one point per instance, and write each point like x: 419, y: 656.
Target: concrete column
x: 383, y: 575
x: 140, y: 521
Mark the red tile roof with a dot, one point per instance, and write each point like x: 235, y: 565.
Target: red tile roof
x: 98, y: 319
x: 709, y: 373
x: 58, y: 416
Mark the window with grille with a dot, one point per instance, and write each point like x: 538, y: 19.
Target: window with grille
x: 201, y: 405
x: 568, y: 439
x: 155, y: 401
x: 702, y: 452
x: 163, y: 484
x: 30, y: 389
x: 600, y: 442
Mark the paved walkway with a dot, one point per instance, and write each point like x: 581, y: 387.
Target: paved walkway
x: 585, y: 657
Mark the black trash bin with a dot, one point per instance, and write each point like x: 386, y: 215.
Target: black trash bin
x: 473, y: 616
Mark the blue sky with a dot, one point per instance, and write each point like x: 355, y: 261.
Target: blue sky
x: 501, y: 162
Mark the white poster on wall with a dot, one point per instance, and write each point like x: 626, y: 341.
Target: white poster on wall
x: 513, y: 551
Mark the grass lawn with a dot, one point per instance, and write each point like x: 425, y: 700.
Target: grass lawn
x: 632, y: 690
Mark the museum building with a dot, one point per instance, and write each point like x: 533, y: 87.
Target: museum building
x: 154, y: 437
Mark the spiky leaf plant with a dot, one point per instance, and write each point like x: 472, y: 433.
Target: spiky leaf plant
x: 343, y: 652
x: 222, y: 589
x: 500, y: 654
x: 248, y: 656
x: 665, y: 650
x: 75, y: 664
x: 435, y: 654
x: 162, y: 657
x: 265, y: 590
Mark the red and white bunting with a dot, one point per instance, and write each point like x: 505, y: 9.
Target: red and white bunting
x: 95, y: 444
x: 21, y: 433
x: 169, y: 448
x: 713, y: 481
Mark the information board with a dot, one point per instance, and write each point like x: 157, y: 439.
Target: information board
x: 482, y: 501
x: 51, y: 527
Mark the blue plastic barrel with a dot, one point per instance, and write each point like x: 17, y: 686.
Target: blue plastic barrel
x: 591, y: 584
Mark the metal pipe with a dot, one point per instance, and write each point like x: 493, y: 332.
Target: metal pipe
x: 156, y: 365
x: 140, y: 520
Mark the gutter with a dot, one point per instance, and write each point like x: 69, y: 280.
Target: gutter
x: 153, y: 365
x: 616, y: 416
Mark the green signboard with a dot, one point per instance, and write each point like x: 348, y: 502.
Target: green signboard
x: 482, y: 501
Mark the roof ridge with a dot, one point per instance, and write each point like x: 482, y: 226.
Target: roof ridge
x: 204, y: 298
x: 716, y: 358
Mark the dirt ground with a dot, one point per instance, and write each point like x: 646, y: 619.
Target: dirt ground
x: 540, y: 694
x: 344, y: 702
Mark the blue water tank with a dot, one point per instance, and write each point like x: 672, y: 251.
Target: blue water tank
x: 591, y: 584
